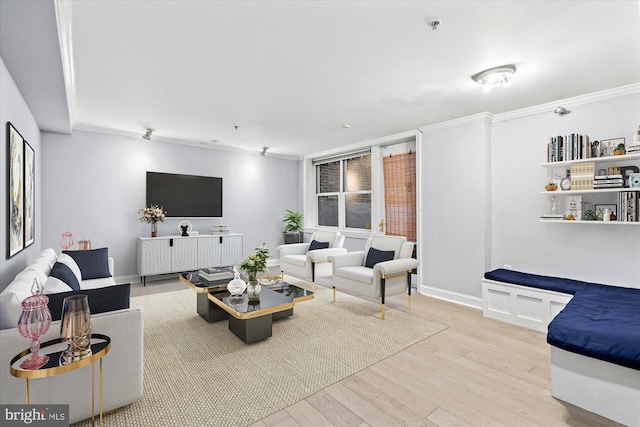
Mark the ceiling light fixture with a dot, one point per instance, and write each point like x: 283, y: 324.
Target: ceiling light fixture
x: 263, y: 153
x: 561, y: 111
x: 147, y: 134
x: 496, y: 76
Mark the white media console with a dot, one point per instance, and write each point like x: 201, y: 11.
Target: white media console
x: 176, y: 254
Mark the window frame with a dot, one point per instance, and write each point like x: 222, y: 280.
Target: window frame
x: 342, y: 193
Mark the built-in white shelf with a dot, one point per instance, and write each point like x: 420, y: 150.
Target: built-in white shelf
x: 600, y: 190
x: 566, y: 221
x: 608, y: 159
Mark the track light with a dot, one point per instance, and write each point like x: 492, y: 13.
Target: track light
x: 263, y: 153
x: 147, y: 134
x: 561, y: 111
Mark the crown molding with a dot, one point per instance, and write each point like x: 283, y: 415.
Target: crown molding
x: 192, y: 143
x: 569, y: 102
x: 475, y: 118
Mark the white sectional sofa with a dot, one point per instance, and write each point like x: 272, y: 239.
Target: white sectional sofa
x: 122, y: 366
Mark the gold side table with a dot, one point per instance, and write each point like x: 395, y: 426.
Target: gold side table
x: 100, y: 346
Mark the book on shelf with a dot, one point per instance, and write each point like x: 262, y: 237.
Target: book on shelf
x: 551, y: 216
x: 582, y: 176
x: 219, y: 229
x: 216, y: 273
x: 570, y: 147
x: 629, y: 206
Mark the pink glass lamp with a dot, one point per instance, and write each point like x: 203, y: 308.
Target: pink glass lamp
x: 33, y: 323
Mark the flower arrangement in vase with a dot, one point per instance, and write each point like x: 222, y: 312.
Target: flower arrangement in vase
x: 152, y: 215
x: 253, y: 265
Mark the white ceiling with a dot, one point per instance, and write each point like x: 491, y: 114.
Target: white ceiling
x: 290, y: 74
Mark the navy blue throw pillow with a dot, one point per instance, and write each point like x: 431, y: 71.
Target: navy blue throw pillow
x: 318, y: 245
x: 101, y: 300
x: 93, y: 264
x: 375, y: 256
x: 62, y: 272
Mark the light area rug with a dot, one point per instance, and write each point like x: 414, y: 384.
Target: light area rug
x: 200, y: 374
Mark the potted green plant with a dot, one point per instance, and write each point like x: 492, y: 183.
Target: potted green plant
x: 253, y: 265
x: 293, y: 227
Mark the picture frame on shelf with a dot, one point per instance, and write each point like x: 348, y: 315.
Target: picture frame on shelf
x: 608, y: 146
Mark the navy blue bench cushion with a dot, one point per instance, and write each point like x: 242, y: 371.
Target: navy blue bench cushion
x: 558, y: 284
x: 603, y: 323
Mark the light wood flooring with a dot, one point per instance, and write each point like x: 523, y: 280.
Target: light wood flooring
x: 477, y: 372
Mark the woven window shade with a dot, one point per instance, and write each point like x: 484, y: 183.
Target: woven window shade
x: 400, y: 195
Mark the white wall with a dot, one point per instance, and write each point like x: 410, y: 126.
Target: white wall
x: 95, y: 182
x: 605, y: 254
x: 14, y: 109
x: 454, y: 201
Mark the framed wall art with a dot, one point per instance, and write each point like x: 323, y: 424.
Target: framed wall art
x: 29, y: 207
x: 15, y: 180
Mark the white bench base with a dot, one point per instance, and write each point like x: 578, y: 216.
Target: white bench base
x: 604, y: 388
x: 524, y: 306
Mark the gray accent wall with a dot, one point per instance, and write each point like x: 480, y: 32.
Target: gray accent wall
x: 95, y: 183
x: 14, y: 109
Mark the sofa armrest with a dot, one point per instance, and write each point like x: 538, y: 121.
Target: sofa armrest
x: 349, y: 259
x: 322, y: 255
x: 293, y: 249
x: 396, y: 266
x: 111, y: 267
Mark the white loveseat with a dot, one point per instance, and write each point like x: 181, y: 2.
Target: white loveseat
x: 122, y: 366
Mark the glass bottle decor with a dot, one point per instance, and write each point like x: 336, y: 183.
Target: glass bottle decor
x: 84, y: 244
x: 66, y: 240
x: 34, y: 322
x: 75, y: 328
x: 237, y: 285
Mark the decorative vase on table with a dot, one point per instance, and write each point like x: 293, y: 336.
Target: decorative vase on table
x: 253, y: 290
x: 237, y: 285
x: 34, y: 322
x: 154, y: 229
x: 75, y: 328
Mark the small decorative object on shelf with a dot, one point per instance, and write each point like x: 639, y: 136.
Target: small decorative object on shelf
x: 619, y: 150
x: 254, y: 265
x: 34, y: 322
x: 75, y: 328
x: 66, y: 240
x: 237, y: 285
x: 84, y: 244
x: 185, y: 227
x: 152, y: 215
x: 565, y: 184
x: 552, y: 186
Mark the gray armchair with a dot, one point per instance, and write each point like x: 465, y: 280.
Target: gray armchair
x: 382, y: 269
x: 298, y: 261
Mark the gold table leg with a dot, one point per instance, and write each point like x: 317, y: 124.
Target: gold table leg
x: 100, y: 392
x: 27, y: 391
x: 92, y: 394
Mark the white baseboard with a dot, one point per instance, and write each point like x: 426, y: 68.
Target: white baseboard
x: 454, y: 297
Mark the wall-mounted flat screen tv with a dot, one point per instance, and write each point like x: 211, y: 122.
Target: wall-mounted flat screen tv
x: 185, y: 195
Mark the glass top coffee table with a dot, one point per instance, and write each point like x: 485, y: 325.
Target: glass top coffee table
x: 250, y: 321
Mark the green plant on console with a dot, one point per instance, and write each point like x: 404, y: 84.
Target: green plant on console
x: 293, y: 221
x: 256, y: 263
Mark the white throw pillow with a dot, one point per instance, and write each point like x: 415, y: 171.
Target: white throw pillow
x: 55, y: 286
x: 71, y: 263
